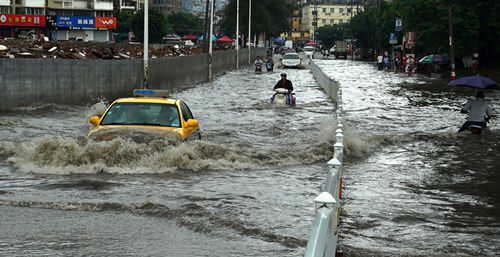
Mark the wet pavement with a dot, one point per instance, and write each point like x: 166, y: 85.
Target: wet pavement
x: 412, y: 186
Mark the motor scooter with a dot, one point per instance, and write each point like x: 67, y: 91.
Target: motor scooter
x: 269, y: 66
x: 258, y: 68
x: 283, y: 97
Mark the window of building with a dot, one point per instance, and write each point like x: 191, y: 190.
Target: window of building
x: 341, y: 20
x: 324, y: 9
x: 332, y: 10
x: 4, y: 9
x: 323, y: 21
x: 341, y: 10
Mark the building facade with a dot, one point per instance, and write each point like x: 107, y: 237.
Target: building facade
x: 22, y: 18
x: 80, y: 20
x: 327, y: 12
x: 167, y: 6
x: 128, y: 5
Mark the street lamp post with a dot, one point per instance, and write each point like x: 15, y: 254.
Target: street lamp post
x: 210, y: 50
x: 249, y: 30
x: 237, y: 34
x: 452, y: 52
x: 146, y: 44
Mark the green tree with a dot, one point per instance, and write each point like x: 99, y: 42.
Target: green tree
x: 329, y: 33
x: 271, y: 17
x: 185, y: 23
x: 124, y: 20
x: 476, y: 26
x: 158, y: 25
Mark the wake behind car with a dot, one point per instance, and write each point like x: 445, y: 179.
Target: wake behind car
x: 147, y: 113
x: 291, y: 60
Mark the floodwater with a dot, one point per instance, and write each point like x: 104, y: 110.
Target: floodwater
x: 416, y: 187
x: 412, y: 186
x: 246, y: 189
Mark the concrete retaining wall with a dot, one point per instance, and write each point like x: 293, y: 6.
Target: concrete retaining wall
x: 27, y: 81
x: 330, y: 86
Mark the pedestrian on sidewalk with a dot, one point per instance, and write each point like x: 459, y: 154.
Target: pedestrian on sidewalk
x: 380, y: 62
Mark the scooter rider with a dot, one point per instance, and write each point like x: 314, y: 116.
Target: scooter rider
x: 258, y: 64
x: 258, y: 61
x: 284, y: 83
x: 479, y: 112
x: 270, y: 63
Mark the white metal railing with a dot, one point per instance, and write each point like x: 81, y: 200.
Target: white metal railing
x: 324, y: 234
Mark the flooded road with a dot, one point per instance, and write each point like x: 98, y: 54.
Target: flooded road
x: 412, y: 186
x: 416, y: 187
x: 246, y: 189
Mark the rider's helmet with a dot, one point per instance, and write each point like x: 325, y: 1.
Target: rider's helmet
x: 283, y: 75
x: 480, y: 94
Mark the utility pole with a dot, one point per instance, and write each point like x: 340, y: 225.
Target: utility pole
x: 237, y: 34
x: 146, y: 44
x: 452, y: 51
x: 205, y: 27
x: 315, y: 20
x: 210, y: 48
x: 352, y: 37
x: 249, y: 30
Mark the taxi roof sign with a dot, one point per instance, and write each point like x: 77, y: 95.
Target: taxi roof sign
x: 150, y: 93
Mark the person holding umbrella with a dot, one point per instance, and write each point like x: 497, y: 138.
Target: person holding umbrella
x: 479, y: 112
x: 478, y: 109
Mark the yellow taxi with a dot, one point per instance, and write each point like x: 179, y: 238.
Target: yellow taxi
x: 148, y: 112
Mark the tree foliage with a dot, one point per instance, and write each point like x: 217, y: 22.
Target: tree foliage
x: 185, y: 23
x: 476, y: 26
x: 158, y: 25
x: 268, y: 16
x: 329, y: 33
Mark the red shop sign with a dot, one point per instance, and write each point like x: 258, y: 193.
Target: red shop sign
x: 26, y: 20
x: 105, y: 22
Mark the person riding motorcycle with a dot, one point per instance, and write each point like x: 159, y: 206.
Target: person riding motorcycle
x: 479, y: 112
x: 258, y: 64
x: 269, y: 64
x: 283, y: 83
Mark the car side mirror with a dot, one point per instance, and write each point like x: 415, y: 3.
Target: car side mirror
x: 94, y: 120
x: 192, y: 123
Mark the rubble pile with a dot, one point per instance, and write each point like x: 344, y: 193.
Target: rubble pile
x: 87, y: 50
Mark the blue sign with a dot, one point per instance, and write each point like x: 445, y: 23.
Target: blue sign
x: 75, y: 21
x: 399, y: 24
x: 392, y: 38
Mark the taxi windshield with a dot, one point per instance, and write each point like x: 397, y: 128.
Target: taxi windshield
x: 148, y: 114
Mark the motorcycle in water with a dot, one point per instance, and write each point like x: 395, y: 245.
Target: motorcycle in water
x: 476, y: 128
x: 283, y: 97
x: 258, y: 68
x: 269, y: 66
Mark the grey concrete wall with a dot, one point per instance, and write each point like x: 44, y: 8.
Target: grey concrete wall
x: 27, y: 81
x: 329, y: 85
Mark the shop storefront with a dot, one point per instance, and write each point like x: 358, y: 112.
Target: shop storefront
x: 22, y: 25
x: 84, y: 28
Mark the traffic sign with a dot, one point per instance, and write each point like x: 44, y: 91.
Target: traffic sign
x: 399, y: 24
x: 392, y: 38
